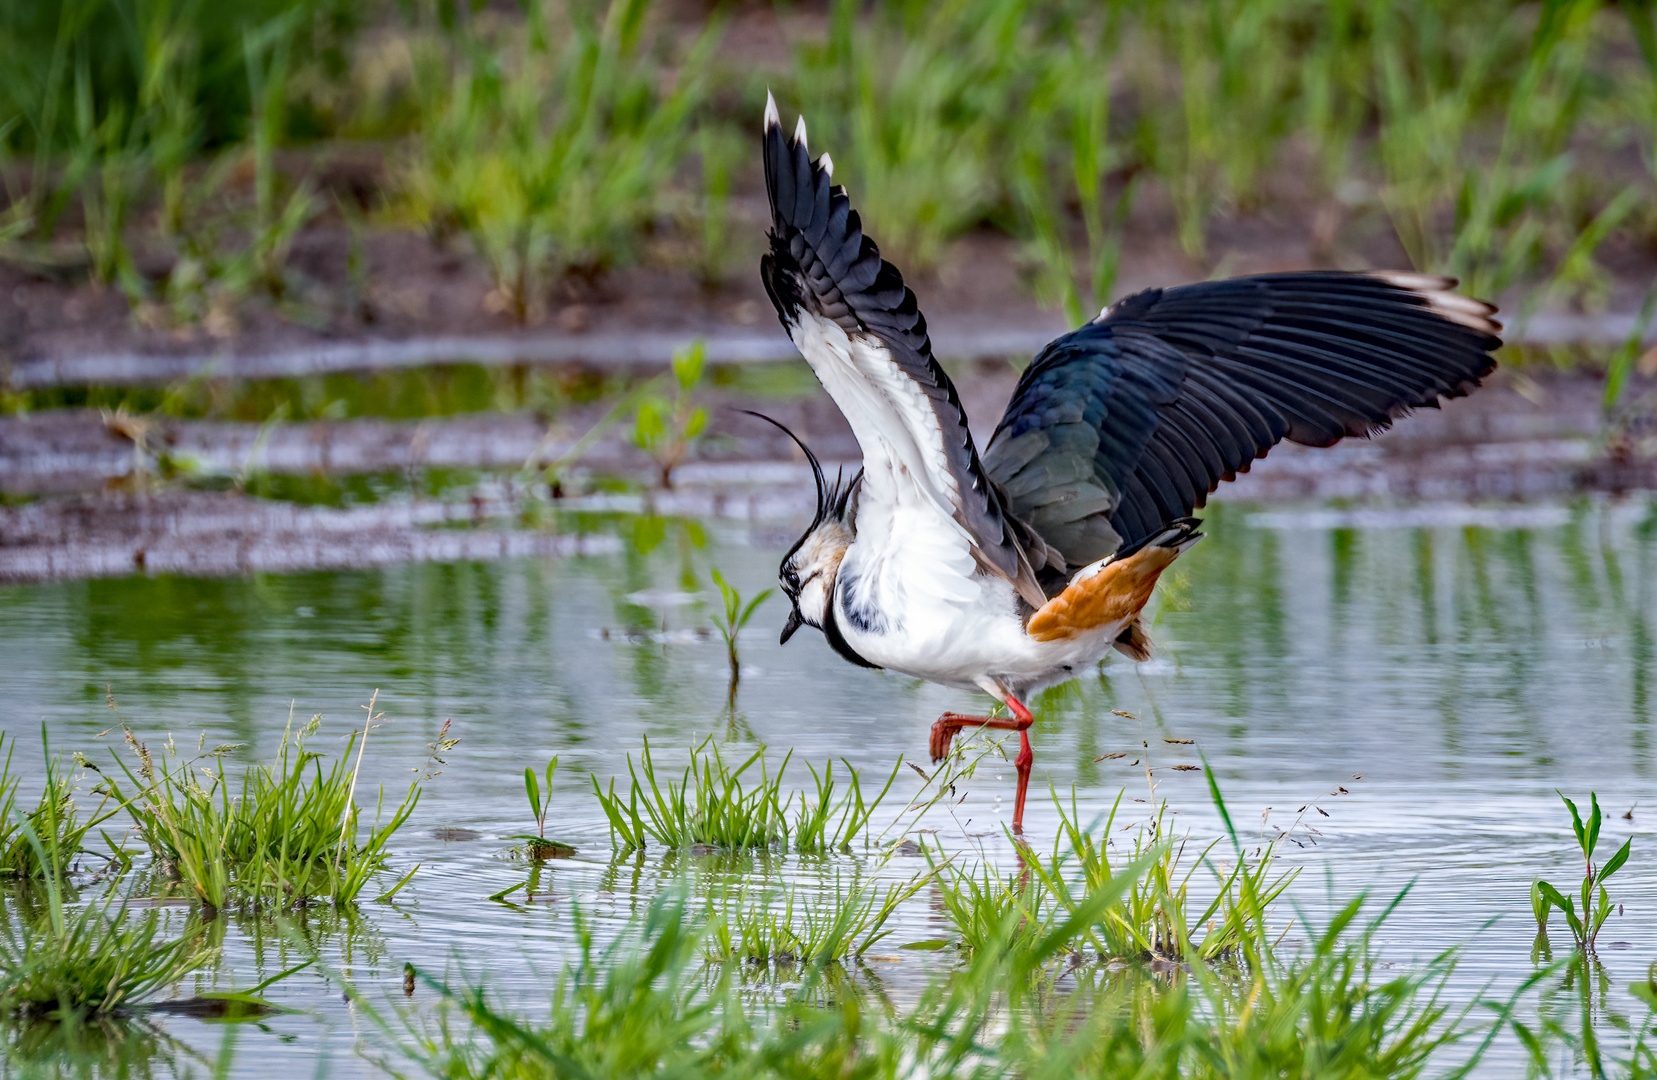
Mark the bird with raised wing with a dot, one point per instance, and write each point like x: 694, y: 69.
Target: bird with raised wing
x: 1021, y: 568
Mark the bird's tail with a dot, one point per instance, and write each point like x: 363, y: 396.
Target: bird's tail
x: 1178, y: 534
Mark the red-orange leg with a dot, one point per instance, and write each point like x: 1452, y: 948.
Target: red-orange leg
x: 946, y: 726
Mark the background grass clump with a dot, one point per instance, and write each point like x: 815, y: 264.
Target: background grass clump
x: 180, y: 151
x: 550, y: 140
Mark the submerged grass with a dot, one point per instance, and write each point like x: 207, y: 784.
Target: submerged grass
x: 92, y: 961
x: 665, y: 428
x: 783, y: 928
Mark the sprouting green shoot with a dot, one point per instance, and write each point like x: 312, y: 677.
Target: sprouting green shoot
x: 1596, y: 906
x: 538, y: 806
x: 730, y: 622
x: 536, y: 844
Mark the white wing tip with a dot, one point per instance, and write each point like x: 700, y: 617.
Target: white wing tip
x: 1091, y: 569
x: 826, y: 163
x: 1105, y: 312
x: 773, y: 119
x: 1443, y: 301
x: 799, y: 131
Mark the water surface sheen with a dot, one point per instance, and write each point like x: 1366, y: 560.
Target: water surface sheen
x: 1420, y: 691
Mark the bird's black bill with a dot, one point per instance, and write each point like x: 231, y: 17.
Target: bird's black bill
x: 793, y: 624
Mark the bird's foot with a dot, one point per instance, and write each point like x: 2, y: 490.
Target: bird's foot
x: 946, y: 727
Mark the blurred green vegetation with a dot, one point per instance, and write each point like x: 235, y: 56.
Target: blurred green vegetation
x: 547, y: 140
x: 171, y: 148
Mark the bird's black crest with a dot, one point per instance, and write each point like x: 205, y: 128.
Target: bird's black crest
x: 833, y: 499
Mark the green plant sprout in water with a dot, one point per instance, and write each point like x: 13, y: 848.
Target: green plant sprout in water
x: 666, y: 429
x: 731, y: 622
x: 536, y: 845
x: 1596, y: 902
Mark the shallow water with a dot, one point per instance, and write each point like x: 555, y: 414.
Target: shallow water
x: 1420, y: 684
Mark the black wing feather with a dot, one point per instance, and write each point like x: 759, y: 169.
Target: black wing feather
x: 821, y: 261
x: 1132, y: 420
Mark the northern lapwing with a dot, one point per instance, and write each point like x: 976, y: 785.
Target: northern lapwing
x: 1019, y: 569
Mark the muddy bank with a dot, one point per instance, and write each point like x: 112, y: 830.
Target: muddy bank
x: 411, y: 300
x: 119, y: 499
x: 1521, y: 436
x: 200, y: 533
x: 966, y: 338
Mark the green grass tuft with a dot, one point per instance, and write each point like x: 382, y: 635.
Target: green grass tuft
x: 711, y: 804
x: 1137, y: 904
x: 44, y: 842
x: 707, y: 805
x: 289, y: 832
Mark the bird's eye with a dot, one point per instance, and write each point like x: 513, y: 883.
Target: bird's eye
x: 791, y: 579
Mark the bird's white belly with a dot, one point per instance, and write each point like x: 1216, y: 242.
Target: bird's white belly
x: 925, y: 609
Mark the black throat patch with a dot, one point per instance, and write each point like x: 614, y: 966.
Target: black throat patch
x: 837, y: 640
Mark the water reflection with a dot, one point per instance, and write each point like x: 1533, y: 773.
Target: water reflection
x: 1515, y: 652
x: 1462, y: 671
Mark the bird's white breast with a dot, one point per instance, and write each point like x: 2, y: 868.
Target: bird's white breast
x: 910, y: 598
x: 909, y: 595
